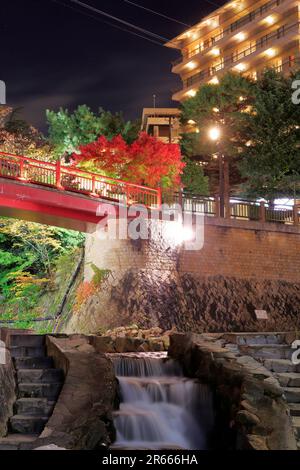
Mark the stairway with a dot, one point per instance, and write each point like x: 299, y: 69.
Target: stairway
x: 38, y: 387
x: 275, y: 354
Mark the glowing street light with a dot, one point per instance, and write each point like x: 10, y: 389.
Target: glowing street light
x: 214, y: 133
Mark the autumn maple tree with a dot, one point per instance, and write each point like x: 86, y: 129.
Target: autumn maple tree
x: 146, y: 161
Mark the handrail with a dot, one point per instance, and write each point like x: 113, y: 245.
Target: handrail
x: 260, y: 44
x: 62, y: 177
x: 233, y: 27
x: 236, y: 208
x: 75, y: 170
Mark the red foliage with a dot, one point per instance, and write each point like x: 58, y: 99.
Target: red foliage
x: 147, y: 161
x: 84, y: 291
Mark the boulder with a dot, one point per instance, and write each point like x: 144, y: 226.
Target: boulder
x: 257, y: 442
x: 127, y: 344
x: 247, y: 418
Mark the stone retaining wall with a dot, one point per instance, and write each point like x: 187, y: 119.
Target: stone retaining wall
x: 244, y: 266
x: 250, y: 410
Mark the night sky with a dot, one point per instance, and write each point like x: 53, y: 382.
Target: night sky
x: 54, y: 56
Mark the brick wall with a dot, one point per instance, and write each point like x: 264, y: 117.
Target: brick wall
x: 244, y: 250
x: 123, y: 255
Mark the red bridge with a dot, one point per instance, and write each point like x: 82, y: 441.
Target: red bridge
x: 54, y: 194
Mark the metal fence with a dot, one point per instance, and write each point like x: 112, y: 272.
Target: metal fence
x: 65, y: 178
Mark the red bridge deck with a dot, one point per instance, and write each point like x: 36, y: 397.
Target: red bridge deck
x: 59, y: 195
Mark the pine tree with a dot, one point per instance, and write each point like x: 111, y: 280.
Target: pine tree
x: 271, y: 152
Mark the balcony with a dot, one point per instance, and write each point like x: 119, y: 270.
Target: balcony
x: 233, y: 28
x: 232, y: 60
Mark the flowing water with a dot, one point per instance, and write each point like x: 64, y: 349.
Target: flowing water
x: 160, y: 408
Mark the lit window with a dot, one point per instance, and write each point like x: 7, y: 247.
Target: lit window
x: 270, y: 52
x: 240, y: 67
x: 214, y: 81
x: 215, y: 51
x: 191, y: 93
x: 269, y: 20
x: 240, y: 36
x: 191, y: 65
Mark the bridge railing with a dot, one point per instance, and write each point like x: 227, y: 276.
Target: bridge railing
x: 191, y: 203
x: 237, y: 208
x: 66, y: 178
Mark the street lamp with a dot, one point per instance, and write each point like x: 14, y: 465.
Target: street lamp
x: 214, y: 133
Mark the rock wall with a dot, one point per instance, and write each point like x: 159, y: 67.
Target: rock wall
x: 242, y: 267
x: 251, y: 412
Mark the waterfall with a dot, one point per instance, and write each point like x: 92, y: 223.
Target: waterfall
x: 160, y: 408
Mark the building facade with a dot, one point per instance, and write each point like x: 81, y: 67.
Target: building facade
x: 245, y: 36
x: 162, y: 123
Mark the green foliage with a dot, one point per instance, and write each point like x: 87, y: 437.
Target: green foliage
x: 100, y: 275
x: 193, y: 178
x: 67, y: 131
x: 270, y: 164
x: 29, y: 254
x: 114, y: 124
x: 223, y: 106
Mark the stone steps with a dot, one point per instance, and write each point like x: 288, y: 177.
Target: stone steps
x: 40, y: 375
x: 281, y: 365
x: 27, y: 351
x: 34, y: 341
x: 267, y: 351
x: 34, y: 406
x: 27, y: 424
x: 38, y: 387
x: 294, y: 409
x: 17, y: 441
x: 292, y: 394
x: 33, y: 362
x: 253, y: 339
x: 39, y: 390
x: 289, y: 379
x: 296, y: 426
x: 275, y: 352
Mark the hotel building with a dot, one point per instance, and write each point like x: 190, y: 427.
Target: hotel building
x: 245, y: 36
